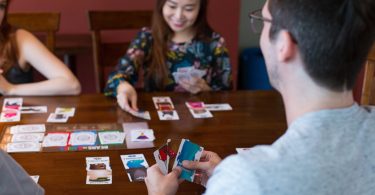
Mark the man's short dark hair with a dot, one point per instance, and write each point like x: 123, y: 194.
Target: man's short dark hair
x: 333, y: 36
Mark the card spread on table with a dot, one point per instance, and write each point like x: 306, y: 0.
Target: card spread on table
x: 34, y: 128
x: 23, y: 147
x: 140, y: 114
x: 165, y: 108
x: 128, y: 127
x: 218, y: 107
x: 33, y: 109
x: 57, y: 118
x: 56, y: 139
x: 99, y: 171
x: 187, y: 151
x: 162, y: 157
x: 82, y: 138
x: 65, y: 110
x: 11, y: 110
x: 111, y: 137
x: 135, y: 166
x: 162, y: 101
x: 142, y: 135
x: 28, y: 137
x: 197, y: 109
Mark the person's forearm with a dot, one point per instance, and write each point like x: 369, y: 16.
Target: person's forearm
x: 56, y: 86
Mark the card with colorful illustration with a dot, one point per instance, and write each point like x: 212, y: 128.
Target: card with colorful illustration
x: 10, y: 115
x: 162, y: 102
x: 33, y: 109
x: 34, y: 128
x: 163, y: 155
x: 142, y: 135
x: 111, y: 137
x: 197, y: 109
x: 23, y: 147
x: 187, y: 151
x: 168, y: 115
x: 135, y: 166
x: 12, y: 103
x: 56, y: 139
x: 69, y: 111
x: 218, y: 107
x: 82, y: 138
x: 141, y: 114
x: 130, y: 126
x: 28, y: 137
x: 99, y: 171
x: 57, y: 118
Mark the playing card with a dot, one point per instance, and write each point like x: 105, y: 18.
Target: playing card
x: 23, y: 147
x: 162, y: 157
x: 168, y: 115
x: 135, y: 166
x: 12, y: 103
x: 33, y: 109
x: 83, y: 138
x: 111, y: 137
x: 187, y: 151
x: 197, y: 109
x: 99, y: 171
x: 194, y: 105
x: 140, y: 114
x: 142, y: 135
x: 35, y: 178
x: 179, y: 76
x: 35, y: 128
x: 218, y: 107
x: 128, y: 127
x: 28, y: 137
x: 10, y: 116
x: 56, y: 139
x: 67, y: 111
x: 161, y: 101
x: 57, y: 118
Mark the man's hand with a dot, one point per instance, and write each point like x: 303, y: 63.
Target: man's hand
x: 125, y: 94
x: 205, y: 167
x: 195, y: 85
x: 157, y: 183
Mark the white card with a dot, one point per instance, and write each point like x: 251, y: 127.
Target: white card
x: 66, y: 110
x: 200, y: 113
x: 36, y: 128
x: 82, y: 138
x: 55, y: 139
x: 168, y: 115
x: 162, y: 100
x: 33, y: 109
x: 10, y: 116
x: 218, y: 107
x: 127, y: 127
x: 142, y: 135
x: 23, y: 147
x: 140, y: 114
x: 28, y: 137
x: 12, y: 103
x: 57, y: 118
x: 111, y: 137
x: 35, y: 178
x: 135, y: 166
x: 99, y: 171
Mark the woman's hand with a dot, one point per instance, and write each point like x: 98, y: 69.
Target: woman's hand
x: 125, y: 94
x: 195, y: 85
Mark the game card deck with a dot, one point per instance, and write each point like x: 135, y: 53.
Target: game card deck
x: 142, y: 135
x: 11, y: 111
x: 135, y: 166
x: 33, y: 109
x: 35, y: 128
x: 83, y: 138
x: 163, y: 155
x: 111, y: 137
x: 187, y: 151
x: 23, y: 147
x: 56, y: 139
x: 98, y: 170
x: 57, y: 118
x: 128, y: 128
x: 218, y: 107
x: 197, y: 109
x: 141, y: 114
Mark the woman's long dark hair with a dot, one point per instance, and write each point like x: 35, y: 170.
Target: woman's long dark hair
x: 8, y: 46
x: 162, y: 34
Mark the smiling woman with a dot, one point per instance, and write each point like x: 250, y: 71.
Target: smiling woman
x: 20, y: 51
x: 180, y: 52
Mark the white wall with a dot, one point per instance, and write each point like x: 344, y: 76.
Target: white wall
x: 247, y: 38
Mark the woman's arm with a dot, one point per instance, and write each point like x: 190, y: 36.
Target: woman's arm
x: 60, y: 80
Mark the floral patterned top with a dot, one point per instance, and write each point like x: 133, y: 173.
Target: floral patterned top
x: 211, y: 57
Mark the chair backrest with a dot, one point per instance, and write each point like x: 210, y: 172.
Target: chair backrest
x: 107, y: 54
x: 368, y: 89
x: 38, y: 22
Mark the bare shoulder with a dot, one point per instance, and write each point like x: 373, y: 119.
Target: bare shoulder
x: 24, y: 36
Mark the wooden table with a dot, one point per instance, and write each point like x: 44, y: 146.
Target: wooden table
x: 257, y: 118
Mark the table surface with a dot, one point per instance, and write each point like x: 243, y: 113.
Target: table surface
x: 257, y: 118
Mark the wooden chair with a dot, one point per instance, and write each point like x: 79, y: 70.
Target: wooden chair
x: 107, y: 54
x: 47, y: 23
x: 368, y: 89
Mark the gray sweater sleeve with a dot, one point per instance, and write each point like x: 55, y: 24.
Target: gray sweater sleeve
x: 14, y: 179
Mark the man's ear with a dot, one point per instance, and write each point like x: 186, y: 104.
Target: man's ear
x: 286, y: 47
